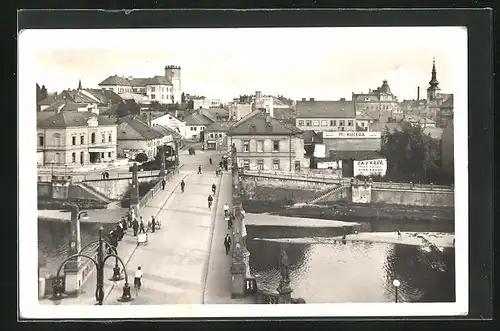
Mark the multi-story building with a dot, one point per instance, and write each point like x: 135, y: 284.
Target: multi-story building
x: 264, y: 143
x: 322, y: 116
x: 216, y: 136
x: 135, y: 137
x: 171, y: 121
x: 74, y: 137
x: 164, y: 89
x: 380, y: 100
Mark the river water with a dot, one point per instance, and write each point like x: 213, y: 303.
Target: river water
x: 355, y: 271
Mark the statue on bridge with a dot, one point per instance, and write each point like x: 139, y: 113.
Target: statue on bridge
x: 284, y: 289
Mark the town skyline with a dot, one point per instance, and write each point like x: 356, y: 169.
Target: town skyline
x: 293, y: 62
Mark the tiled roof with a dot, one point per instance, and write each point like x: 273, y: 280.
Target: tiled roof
x: 137, y: 81
x: 435, y: 133
x: 219, y: 126
x: 215, y: 112
x: 166, y: 129
x: 42, y: 116
x: 447, y: 101
x: 325, y: 109
x: 198, y: 119
x: 105, y: 96
x: 130, y: 128
x: 256, y: 123
x: 55, y: 106
x: 47, y: 101
x: 70, y: 119
x: 78, y: 97
x: 156, y: 80
x: 283, y: 113
x: 115, y: 80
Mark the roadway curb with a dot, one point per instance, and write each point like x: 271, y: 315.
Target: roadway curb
x: 210, y: 241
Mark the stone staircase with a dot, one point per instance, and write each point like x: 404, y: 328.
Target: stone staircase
x: 94, y: 192
x: 327, y: 194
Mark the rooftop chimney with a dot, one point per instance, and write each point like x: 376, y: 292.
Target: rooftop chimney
x: 342, y: 99
x: 311, y: 99
x: 418, y: 93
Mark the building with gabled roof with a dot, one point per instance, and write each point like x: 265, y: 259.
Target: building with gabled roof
x: 135, y: 137
x: 324, y: 116
x: 264, y: 143
x: 75, y: 138
x: 195, y: 124
x: 216, y: 136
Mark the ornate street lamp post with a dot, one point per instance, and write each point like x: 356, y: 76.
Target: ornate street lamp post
x: 99, y: 264
x: 396, y: 284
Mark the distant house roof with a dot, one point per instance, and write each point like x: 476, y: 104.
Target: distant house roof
x: 198, y: 119
x: 138, y: 98
x: 70, y: 119
x: 283, y: 113
x: 156, y: 80
x: 447, y: 100
x: 115, y: 80
x: 130, y: 128
x: 137, y: 81
x: 47, y: 101
x: 325, y: 109
x: 215, y: 112
x: 105, y: 96
x: 219, y: 126
x: 434, y: 133
x: 258, y: 123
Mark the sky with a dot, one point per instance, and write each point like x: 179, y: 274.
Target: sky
x: 321, y: 63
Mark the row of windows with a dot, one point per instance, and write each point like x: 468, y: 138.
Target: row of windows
x: 195, y: 128
x: 374, y: 107
x: 215, y: 135
x: 153, y: 96
x: 325, y: 122
x: 260, y: 145
x: 73, y: 156
x: 260, y: 164
x: 57, y: 137
x: 153, y: 89
x: 123, y: 90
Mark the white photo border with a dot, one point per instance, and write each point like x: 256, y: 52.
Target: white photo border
x: 31, y: 41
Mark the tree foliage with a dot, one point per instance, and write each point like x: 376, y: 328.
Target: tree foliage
x: 141, y: 157
x: 128, y: 107
x: 411, y: 155
x: 41, y: 92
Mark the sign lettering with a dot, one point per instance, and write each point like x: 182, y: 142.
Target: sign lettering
x: 350, y: 134
x: 370, y: 167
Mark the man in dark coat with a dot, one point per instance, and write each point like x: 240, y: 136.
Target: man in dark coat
x: 141, y: 226
x: 227, y: 243
x: 135, y: 226
x: 210, y: 200
x: 163, y: 182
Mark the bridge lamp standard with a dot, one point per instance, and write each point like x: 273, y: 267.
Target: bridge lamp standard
x: 396, y: 284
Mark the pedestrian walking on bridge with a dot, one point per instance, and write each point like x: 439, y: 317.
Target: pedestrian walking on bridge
x: 226, y: 209
x: 182, y: 185
x: 199, y: 169
x: 227, y: 243
x: 135, y: 226
x: 210, y: 161
x: 163, y: 182
x: 141, y: 226
x: 213, y: 188
x: 210, y: 200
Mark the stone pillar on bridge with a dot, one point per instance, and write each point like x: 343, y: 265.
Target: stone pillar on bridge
x: 72, y: 273
x: 284, y: 289
x: 162, y: 161
x: 59, y: 189
x: 134, y: 193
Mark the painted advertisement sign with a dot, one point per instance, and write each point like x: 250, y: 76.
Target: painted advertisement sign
x: 350, y: 134
x: 370, y: 167
x: 330, y: 165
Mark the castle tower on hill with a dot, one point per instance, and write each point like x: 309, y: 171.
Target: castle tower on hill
x: 173, y: 73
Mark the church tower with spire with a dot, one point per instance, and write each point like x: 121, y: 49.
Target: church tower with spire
x: 433, y: 88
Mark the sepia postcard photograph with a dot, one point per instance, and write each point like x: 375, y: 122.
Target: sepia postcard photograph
x: 211, y: 172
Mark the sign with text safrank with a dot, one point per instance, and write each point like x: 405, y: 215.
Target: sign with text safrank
x: 350, y: 134
x: 370, y: 167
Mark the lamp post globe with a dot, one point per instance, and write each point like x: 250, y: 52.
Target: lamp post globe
x: 396, y: 283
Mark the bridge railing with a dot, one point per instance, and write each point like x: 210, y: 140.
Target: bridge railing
x: 155, y: 189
